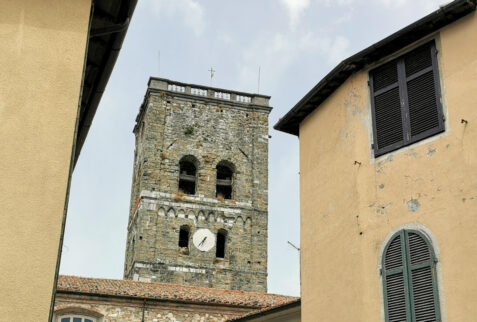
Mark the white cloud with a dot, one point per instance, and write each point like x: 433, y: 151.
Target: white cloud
x: 334, y: 49
x: 225, y: 38
x: 295, y: 9
x: 190, y: 12
x: 428, y: 5
x: 393, y: 3
x: 337, y: 49
x: 278, y: 53
x: 273, y: 54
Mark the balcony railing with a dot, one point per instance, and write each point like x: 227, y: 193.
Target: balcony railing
x: 205, y: 91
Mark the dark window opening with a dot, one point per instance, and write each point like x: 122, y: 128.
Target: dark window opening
x: 405, y: 100
x: 220, y: 249
x: 224, y: 181
x: 184, y: 237
x: 187, y: 177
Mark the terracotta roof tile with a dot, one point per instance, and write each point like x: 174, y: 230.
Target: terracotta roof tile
x: 253, y: 313
x: 169, y: 292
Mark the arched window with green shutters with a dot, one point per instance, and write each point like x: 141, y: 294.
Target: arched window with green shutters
x: 409, y: 279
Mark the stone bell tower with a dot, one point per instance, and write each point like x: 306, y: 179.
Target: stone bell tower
x: 199, y: 195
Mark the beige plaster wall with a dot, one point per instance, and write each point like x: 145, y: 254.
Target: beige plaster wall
x: 348, y: 209
x: 42, y: 46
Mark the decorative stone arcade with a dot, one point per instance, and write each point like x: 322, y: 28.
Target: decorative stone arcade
x: 199, y: 194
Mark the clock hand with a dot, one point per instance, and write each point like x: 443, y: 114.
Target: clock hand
x: 203, y: 240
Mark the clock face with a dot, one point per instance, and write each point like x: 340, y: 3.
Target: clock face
x: 203, y: 239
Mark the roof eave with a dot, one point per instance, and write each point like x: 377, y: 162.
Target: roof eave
x: 269, y: 311
x: 89, y: 110
x: 156, y: 299
x: 434, y: 21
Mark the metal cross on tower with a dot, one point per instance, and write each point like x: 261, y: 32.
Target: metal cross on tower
x: 212, y: 71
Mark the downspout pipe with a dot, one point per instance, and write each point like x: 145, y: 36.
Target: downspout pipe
x: 143, y: 310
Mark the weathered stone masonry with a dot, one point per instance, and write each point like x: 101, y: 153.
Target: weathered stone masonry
x: 208, y: 126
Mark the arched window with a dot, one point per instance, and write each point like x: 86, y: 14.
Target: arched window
x: 224, y: 182
x: 184, y: 236
x: 188, y: 174
x: 220, y: 247
x: 77, y: 314
x: 76, y: 318
x: 409, y: 279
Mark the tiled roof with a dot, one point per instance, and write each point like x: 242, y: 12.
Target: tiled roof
x: 169, y: 292
x: 262, y: 311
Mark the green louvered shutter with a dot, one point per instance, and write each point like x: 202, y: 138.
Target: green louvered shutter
x: 409, y: 279
x: 421, y: 268
x: 394, y: 281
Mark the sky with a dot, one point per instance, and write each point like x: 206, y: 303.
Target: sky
x: 295, y: 43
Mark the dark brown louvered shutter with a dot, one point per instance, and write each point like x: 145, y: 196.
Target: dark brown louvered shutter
x: 422, y: 279
x: 387, y: 114
x: 405, y: 102
x: 394, y: 282
x: 423, y: 93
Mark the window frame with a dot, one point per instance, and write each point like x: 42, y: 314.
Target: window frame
x: 73, y: 315
x: 404, y: 98
x: 77, y: 312
x: 407, y: 270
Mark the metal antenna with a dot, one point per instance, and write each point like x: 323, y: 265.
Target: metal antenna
x: 297, y: 248
x: 258, y: 90
x: 212, y: 71
x: 158, y: 63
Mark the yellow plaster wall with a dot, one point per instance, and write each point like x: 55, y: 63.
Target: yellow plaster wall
x: 42, y: 46
x: 348, y: 209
